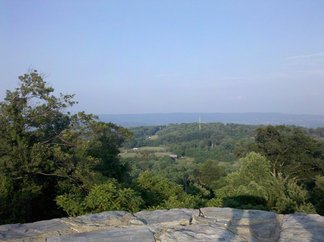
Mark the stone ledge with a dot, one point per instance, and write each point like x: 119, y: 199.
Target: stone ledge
x: 205, y: 224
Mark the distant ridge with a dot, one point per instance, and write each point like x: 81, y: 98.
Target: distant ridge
x: 148, y: 119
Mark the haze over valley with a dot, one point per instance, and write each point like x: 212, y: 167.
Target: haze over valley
x: 150, y: 119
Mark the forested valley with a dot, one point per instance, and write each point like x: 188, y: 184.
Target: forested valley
x: 54, y: 163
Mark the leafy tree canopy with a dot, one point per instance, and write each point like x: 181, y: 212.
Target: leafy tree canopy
x: 45, y: 151
x: 254, y: 186
x: 291, y: 152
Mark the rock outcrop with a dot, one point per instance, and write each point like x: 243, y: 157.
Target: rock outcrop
x: 205, y: 224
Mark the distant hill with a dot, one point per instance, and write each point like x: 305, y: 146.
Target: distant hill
x: 132, y: 120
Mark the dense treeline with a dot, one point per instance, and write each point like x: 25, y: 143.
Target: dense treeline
x: 210, y: 141
x: 318, y: 132
x: 294, y: 157
x: 53, y: 163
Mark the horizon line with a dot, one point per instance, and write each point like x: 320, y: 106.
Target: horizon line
x: 198, y: 113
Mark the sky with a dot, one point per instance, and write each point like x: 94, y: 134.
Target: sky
x: 136, y: 56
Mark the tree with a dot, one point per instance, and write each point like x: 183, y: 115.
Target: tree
x: 254, y: 186
x: 102, y: 197
x: 159, y: 192
x: 318, y: 195
x: 46, y: 152
x: 291, y: 152
x: 210, y: 172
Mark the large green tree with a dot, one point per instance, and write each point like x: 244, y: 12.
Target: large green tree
x: 160, y: 193
x: 46, y: 152
x: 254, y: 186
x: 291, y: 152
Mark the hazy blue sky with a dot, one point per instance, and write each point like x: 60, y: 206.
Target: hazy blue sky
x: 170, y: 56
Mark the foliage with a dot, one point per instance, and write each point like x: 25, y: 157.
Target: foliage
x: 54, y: 163
x: 142, y: 136
x: 245, y: 202
x: 254, y: 182
x: 102, y: 197
x: 318, y: 195
x: 291, y: 152
x: 72, y: 204
x: 158, y: 192
x: 291, y: 159
x: 215, y: 141
x: 111, y: 196
x: 209, y: 172
x: 45, y: 151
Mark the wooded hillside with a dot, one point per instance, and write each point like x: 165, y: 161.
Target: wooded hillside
x: 54, y: 163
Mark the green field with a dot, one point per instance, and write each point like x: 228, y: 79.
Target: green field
x: 158, y: 151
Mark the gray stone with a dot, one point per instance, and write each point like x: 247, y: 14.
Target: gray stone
x: 38, y: 230
x: 91, y: 222
x: 170, y: 217
x: 206, y: 224
x: 302, y: 227
x: 254, y: 225
x: 43, y: 229
x: 134, y: 234
x: 198, y: 232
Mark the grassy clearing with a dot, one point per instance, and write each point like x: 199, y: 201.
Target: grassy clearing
x: 158, y: 151
x: 153, y: 148
x: 154, y: 137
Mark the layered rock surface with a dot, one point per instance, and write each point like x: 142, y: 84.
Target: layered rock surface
x: 206, y: 224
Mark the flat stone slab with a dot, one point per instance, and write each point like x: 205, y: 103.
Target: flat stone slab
x: 205, y: 224
x: 133, y: 234
x: 199, y: 232
x: 302, y: 227
x: 253, y: 225
x: 39, y: 230
x: 173, y: 216
x: 97, y: 221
